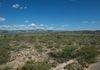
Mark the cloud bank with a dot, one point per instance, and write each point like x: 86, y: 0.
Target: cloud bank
x: 31, y: 26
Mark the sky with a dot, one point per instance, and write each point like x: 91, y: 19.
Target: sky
x: 50, y: 14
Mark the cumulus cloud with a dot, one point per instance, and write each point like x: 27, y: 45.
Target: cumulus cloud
x: 23, y: 7
x: 33, y: 24
x: 18, y: 6
x: 2, y: 19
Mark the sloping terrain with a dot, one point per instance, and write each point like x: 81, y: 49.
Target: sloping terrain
x: 50, y: 51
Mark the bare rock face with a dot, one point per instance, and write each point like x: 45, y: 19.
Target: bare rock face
x: 95, y: 66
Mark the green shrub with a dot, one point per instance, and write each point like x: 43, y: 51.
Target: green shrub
x: 4, y: 55
x: 31, y: 65
x: 87, y: 55
x: 73, y: 66
x: 38, y: 48
x: 68, y: 52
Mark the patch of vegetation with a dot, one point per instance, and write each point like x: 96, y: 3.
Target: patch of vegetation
x: 62, y: 45
x: 68, y: 52
x: 38, y: 48
x: 32, y: 65
x: 4, y: 51
x: 73, y: 66
x: 4, y: 55
x: 87, y: 55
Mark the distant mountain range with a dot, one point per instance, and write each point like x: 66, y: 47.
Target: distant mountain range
x: 43, y: 31
x: 25, y: 31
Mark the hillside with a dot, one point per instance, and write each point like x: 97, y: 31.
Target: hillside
x: 75, y: 50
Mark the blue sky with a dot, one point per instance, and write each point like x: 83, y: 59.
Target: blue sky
x: 50, y: 14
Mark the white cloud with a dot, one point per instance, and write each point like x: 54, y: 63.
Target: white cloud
x: 2, y: 19
x: 32, y: 24
x: 18, y: 25
x: 50, y: 28
x: 16, y: 6
x: 23, y: 7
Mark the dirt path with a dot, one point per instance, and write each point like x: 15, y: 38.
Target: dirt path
x: 61, y: 66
